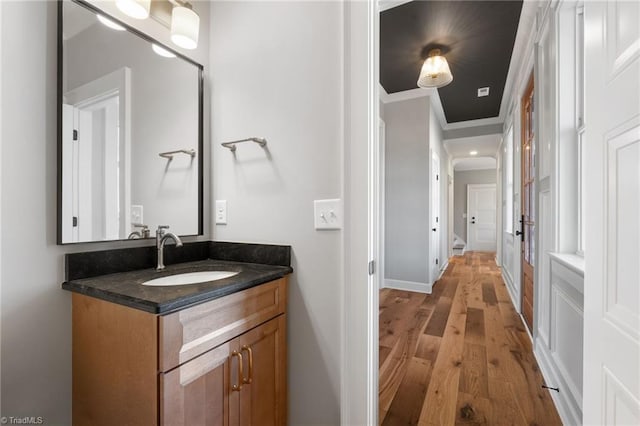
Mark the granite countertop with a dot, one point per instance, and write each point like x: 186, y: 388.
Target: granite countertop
x: 126, y: 287
x: 94, y: 274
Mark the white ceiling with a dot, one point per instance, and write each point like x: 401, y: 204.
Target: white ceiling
x: 76, y: 19
x: 487, y: 146
x: 474, y: 163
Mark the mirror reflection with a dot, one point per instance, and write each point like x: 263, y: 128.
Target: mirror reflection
x: 130, y: 143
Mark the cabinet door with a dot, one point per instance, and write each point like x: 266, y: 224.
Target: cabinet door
x: 197, y: 392
x: 263, y: 395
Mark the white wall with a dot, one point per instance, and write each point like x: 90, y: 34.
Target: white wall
x: 277, y: 72
x: 35, y: 312
x: 407, y: 191
x: 460, y: 181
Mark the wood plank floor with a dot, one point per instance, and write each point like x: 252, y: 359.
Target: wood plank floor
x: 460, y: 355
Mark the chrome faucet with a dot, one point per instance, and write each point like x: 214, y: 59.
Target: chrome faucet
x: 161, y: 239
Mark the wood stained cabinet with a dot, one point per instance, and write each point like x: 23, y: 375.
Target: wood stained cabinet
x: 222, y: 362
x: 241, y: 382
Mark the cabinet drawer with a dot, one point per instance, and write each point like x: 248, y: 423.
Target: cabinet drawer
x: 193, y: 331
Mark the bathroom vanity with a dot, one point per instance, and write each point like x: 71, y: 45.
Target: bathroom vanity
x: 208, y: 353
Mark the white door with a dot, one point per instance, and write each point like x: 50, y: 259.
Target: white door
x: 435, y: 216
x: 481, y: 217
x: 611, y: 391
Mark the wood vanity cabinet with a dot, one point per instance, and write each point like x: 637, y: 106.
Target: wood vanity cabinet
x: 222, y: 362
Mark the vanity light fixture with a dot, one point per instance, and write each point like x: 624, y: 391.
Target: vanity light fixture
x: 162, y: 51
x: 109, y: 23
x: 435, y: 71
x: 473, y: 152
x: 185, y: 26
x: 138, y: 9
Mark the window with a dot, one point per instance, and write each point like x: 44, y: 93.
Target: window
x: 508, y: 181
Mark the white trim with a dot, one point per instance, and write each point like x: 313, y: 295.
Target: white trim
x: 570, y: 413
x: 436, y: 103
x: 359, y: 304
x: 381, y: 201
x: 1, y: 145
x: 405, y: 95
x: 390, y: 4
x: 408, y: 286
x: 570, y: 260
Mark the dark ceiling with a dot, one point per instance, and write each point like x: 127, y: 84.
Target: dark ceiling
x: 476, y: 37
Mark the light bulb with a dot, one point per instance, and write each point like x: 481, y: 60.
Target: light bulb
x: 109, y: 23
x: 162, y: 51
x: 138, y: 9
x: 185, y: 26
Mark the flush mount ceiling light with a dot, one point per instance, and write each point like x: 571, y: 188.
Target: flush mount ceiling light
x: 473, y: 152
x: 162, y: 51
x: 109, y: 23
x: 185, y: 26
x: 138, y: 9
x: 435, y: 71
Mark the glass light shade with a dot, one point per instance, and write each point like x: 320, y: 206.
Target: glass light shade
x: 138, y: 9
x: 435, y: 72
x: 185, y: 26
x: 162, y: 51
x: 109, y: 23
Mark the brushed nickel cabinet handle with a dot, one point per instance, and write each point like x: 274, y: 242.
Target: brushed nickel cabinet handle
x: 250, y: 352
x: 238, y: 387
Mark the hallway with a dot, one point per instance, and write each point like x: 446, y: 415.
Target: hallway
x: 460, y: 355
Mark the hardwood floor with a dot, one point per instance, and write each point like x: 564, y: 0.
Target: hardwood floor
x: 460, y: 355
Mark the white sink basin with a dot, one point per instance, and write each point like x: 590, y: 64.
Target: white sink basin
x: 190, y: 278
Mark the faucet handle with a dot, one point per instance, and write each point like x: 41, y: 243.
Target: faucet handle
x: 160, y: 230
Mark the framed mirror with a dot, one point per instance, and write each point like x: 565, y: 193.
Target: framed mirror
x: 129, y: 131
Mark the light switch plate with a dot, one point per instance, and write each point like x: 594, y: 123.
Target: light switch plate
x: 327, y: 214
x: 221, y: 212
x: 137, y: 215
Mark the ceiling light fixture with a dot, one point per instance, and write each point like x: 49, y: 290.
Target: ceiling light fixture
x: 162, y: 51
x: 109, y: 23
x: 435, y: 71
x: 185, y: 26
x: 473, y: 152
x: 138, y: 9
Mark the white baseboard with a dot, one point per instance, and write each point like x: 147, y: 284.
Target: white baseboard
x: 408, y: 285
x: 510, y: 289
x: 567, y: 403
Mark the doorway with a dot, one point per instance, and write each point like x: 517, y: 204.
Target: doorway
x: 481, y: 217
x: 527, y: 218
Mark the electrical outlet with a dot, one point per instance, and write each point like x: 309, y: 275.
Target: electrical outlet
x: 327, y: 214
x: 221, y: 212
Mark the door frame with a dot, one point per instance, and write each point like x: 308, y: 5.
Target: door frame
x: 435, y: 240
x: 478, y: 186
x: 382, y: 128
x: 529, y: 84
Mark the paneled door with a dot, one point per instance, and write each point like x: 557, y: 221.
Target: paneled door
x: 481, y: 217
x: 611, y: 391
x: 527, y: 218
